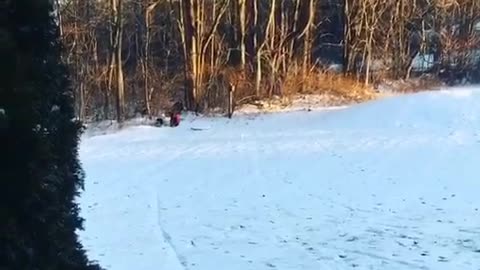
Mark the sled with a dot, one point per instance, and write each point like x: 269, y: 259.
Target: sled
x: 199, y: 128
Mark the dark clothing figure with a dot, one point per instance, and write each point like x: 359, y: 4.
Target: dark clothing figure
x: 174, y: 119
x: 177, y: 107
x: 159, y: 122
x: 175, y: 114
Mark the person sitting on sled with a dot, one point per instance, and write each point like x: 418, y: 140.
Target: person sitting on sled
x: 175, y: 114
x: 174, y: 119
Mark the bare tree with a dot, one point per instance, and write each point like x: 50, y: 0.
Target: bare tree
x: 115, y: 74
x: 197, y: 35
x: 131, y: 55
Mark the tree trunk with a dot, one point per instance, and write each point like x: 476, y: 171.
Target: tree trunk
x: 347, y: 53
x: 258, y: 50
x: 242, y: 18
x: 188, y: 33
x: 307, y: 43
x: 196, y: 39
x: 116, y: 69
x: 148, y: 9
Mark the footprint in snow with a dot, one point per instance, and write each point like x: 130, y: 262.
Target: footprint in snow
x: 352, y: 239
x: 270, y: 265
x: 442, y: 259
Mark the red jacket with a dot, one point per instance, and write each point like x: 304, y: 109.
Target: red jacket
x: 175, y: 120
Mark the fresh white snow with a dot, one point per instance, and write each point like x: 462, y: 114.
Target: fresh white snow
x: 390, y: 184
x: 423, y: 62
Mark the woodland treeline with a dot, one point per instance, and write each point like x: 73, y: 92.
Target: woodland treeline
x: 132, y: 57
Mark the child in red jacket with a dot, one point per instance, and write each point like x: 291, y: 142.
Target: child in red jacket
x: 175, y: 114
x: 174, y: 119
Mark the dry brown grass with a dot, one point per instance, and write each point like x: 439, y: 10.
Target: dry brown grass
x: 329, y: 89
x: 319, y: 82
x: 317, y: 88
x: 316, y: 82
x: 424, y: 83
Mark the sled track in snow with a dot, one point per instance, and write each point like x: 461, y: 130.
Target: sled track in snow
x: 168, y: 239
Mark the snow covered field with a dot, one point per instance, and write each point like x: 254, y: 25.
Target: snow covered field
x: 390, y: 184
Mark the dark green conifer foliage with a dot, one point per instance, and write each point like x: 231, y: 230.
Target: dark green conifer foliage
x: 40, y: 174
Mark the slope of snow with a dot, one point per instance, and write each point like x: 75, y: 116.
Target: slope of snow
x: 390, y: 184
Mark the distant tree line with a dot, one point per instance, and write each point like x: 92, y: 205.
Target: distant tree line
x: 137, y: 56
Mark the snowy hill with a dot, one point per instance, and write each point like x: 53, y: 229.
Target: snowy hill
x: 390, y: 184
